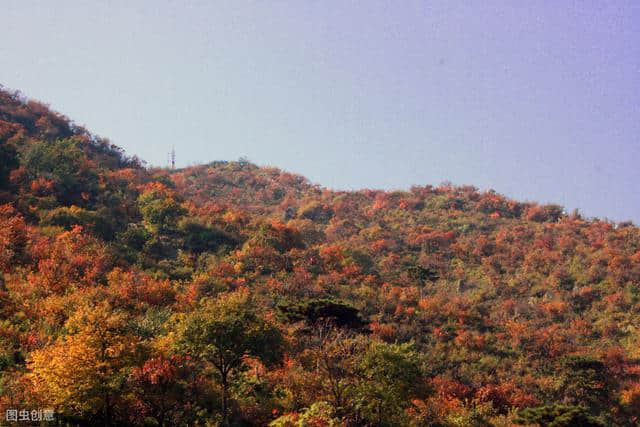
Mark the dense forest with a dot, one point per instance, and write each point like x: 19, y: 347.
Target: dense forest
x: 235, y: 295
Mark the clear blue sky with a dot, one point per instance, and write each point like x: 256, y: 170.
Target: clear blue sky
x: 539, y: 100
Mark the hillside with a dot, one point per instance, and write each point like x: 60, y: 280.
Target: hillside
x: 233, y: 294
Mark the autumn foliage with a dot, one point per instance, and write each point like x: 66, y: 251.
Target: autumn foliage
x: 230, y: 294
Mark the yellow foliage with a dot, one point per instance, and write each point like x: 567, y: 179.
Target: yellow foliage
x: 81, y: 373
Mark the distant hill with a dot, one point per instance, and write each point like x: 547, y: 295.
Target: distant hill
x: 438, y: 305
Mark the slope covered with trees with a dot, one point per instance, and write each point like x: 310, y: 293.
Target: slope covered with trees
x: 237, y: 295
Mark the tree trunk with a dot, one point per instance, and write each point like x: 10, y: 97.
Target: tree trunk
x: 225, y: 390
x: 107, y: 411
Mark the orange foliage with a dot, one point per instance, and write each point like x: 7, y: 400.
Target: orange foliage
x: 13, y: 237
x: 71, y: 259
x: 138, y: 291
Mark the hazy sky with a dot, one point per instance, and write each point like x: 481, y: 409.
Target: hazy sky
x: 539, y: 100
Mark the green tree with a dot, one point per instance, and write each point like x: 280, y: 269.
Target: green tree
x: 8, y: 162
x: 318, y: 414
x: 64, y: 163
x: 584, y: 381
x: 160, y: 209
x: 223, y: 331
x: 557, y: 416
x: 200, y: 238
x: 318, y: 311
x: 390, y: 376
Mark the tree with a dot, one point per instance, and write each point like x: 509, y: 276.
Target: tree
x: 223, y: 331
x: 316, y: 311
x: 8, y: 161
x: 162, y: 388
x: 366, y: 382
x: 317, y: 415
x: 64, y: 163
x: 84, y: 373
x: 13, y: 238
x: 160, y: 208
x: 390, y: 377
x: 557, y: 416
x: 584, y: 381
x: 200, y: 238
x: 72, y: 259
x: 333, y: 364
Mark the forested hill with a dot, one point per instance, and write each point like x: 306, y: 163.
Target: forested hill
x: 234, y: 294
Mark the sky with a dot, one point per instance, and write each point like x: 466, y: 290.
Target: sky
x: 537, y: 100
